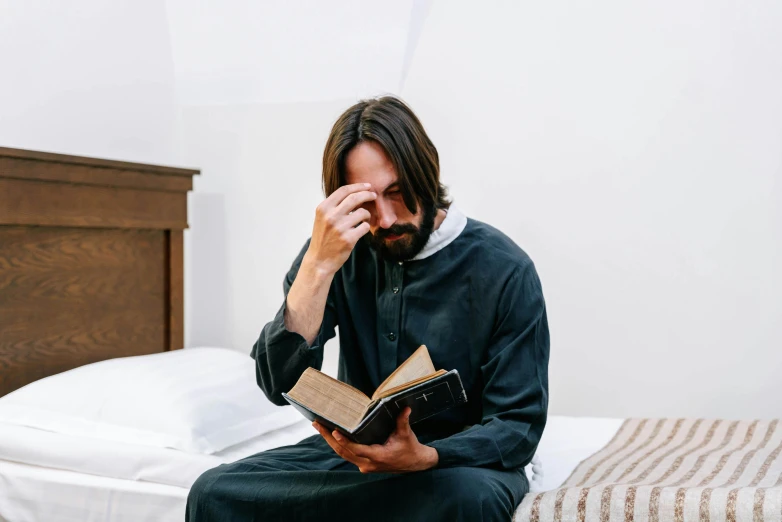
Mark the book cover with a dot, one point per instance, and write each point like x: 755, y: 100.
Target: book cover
x: 425, y: 399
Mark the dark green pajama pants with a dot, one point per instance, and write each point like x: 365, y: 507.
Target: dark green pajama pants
x: 308, y: 481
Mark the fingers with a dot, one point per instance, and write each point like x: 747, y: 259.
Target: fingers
x: 338, y: 448
x: 403, y: 422
x: 358, y: 454
x: 344, y: 191
x: 347, y: 215
x: 358, y: 215
x: 355, y: 234
x: 331, y: 208
x: 359, y: 450
x: 354, y: 200
x: 369, y: 459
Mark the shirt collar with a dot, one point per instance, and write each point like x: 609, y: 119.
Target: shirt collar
x: 450, y: 228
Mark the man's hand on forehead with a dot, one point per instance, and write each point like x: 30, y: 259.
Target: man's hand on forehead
x: 354, y: 196
x: 339, y: 223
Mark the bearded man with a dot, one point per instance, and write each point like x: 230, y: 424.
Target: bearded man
x: 395, y: 265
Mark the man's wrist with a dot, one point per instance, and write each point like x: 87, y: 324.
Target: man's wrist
x: 315, y: 272
x: 430, y: 457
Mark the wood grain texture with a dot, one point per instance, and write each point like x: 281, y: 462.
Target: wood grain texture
x: 24, y: 202
x: 176, y: 290
x: 66, y: 159
x: 69, y: 297
x: 21, y: 168
x: 91, y: 261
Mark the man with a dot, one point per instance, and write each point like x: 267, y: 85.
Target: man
x: 395, y: 266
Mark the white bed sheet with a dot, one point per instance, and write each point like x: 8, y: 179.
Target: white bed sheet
x: 121, y: 460
x: 50, y: 477
x: 35, y: 494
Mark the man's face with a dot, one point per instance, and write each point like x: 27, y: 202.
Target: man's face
x: 395, y: 232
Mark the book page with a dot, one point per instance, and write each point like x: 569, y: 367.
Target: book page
x: 415, y: 367
x: 330, y: 398
x: 390, y: 391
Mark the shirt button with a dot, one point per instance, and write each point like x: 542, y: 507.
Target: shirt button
x: 392, y: 336
x: 396, y: 290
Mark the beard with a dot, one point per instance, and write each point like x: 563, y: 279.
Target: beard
x: 410, y: 244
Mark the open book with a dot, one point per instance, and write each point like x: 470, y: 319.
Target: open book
x: 370, y: 420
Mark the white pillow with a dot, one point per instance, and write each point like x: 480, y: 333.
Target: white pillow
x: 198, y: 400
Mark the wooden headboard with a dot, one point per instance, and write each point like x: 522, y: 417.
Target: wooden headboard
x: 91, y: 262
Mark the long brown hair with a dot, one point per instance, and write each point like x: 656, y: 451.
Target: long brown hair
x: 391, y: 124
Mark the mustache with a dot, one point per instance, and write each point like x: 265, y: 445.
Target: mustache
x: 396, y: 230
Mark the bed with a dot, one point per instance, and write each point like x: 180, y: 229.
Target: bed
x: 91, y: 313
x: 75, y: 234
x: 91, y: 268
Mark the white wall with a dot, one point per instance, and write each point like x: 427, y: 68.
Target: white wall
x: 244, y: 52
x: 259, y: 86
x: 88, y: 77
x: 255, y: 202
x: 635, y: 151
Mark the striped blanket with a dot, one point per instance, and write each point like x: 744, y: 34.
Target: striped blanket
x: 682, y: 470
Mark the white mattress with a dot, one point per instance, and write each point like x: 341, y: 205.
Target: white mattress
x: 47, y: 477
x: 31, y: 493
x: 50, y: 477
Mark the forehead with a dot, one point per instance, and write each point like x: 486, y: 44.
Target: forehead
x: 367, y: 162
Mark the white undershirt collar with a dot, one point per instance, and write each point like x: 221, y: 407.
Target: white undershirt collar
x: 450, y: 228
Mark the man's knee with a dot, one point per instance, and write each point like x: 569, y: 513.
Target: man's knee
x: 198, y: 498
x: 481, y: 494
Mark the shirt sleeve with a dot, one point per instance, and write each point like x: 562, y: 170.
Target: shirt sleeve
x: 515, y: 376
x: 281, y: 356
